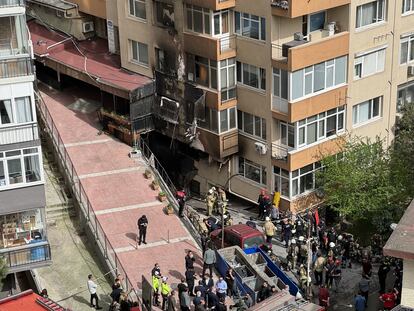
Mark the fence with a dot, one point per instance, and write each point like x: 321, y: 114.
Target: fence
x: 11, y: 68
x: 30, y: 254
x: 79, y: 192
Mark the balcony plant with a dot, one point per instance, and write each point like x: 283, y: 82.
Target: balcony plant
x: 162, y: 196
x: 169, y: 209
x: 148, y: 173
x: 155, y: 184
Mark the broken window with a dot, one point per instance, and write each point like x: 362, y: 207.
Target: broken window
x: 165, y: 13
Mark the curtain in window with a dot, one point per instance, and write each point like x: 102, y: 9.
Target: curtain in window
x: 6, y: 113
x: 366, y: 14
x: 23, y: 110
x: 15, y: 171
x: 363, y: 112
x: 32, y: 168
x: 297, y: 84
x: 2, y: 174
x: 370, y: 64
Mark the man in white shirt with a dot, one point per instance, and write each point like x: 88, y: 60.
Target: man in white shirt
x: 92, y: 290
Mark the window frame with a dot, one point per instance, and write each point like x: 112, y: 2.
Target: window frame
x: 410, y: 49
x: 371, y: 117
x: 212, y: 115
x: 410, y: 6
x: 14, y: 111
x: 241, y: 17
x: 205, y: 13
x: 360, y: 60
x: 242, y: 162
x: 379, y: 21
x: 402, y: 92
x: 310, y: 72
x: 157, y: 21
x: 31, y: 152
x: 138, y: 61
x: 241, y: 125
x: 228, y: 67
x: 260, y: 73
x: 134, y: 14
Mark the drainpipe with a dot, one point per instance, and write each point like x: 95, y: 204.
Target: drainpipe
x: 229, y: 184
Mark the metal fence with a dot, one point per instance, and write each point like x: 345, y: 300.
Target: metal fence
x: 30, y: 254
x: 78, y: 191
x: 11, y: 68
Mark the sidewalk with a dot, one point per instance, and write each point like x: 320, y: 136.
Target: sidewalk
x: 117, y: 190
x: 72, y: 261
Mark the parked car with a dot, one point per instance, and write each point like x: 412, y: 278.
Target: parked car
x: 238, y: 235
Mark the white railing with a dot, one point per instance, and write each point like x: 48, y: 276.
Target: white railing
x: 18, y: 134
x: 280, y: 104
x: 227, y: 43
x: 279, y: 152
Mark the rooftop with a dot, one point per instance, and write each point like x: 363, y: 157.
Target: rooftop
x: 26, y: 300
x: 401, y: 242
x: 57, y: 4
x: 97, y: 62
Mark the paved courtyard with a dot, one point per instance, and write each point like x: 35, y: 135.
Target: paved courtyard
x: 118, y: 192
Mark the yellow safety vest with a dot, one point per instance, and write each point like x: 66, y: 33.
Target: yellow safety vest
x: 165, y: 289
x: 155, y: 283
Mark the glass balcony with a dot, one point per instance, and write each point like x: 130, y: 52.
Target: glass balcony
x: 11, y: 3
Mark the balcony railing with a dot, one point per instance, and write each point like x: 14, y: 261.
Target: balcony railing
x: 283, y: 4
x: 280, y: 105
x: 7, y: 48
x: 27, y: 255
x: 11, y: 68
x: 227, y: 43
x: 279, y: 152
x: 10, y: 3
x: 18, y: 134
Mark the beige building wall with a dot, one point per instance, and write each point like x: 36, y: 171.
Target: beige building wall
x: 407, y: 295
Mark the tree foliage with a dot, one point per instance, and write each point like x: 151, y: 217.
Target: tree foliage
x: 3, y: 270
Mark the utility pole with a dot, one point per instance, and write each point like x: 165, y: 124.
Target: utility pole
x: 309, y: 260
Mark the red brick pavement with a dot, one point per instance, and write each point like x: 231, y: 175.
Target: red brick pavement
x: 121, y: 197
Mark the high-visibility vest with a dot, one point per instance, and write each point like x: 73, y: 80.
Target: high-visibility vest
x: 165, y: 289
x: 155, y: 283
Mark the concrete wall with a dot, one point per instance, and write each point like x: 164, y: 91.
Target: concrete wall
x: 22, y: 199
x: 407, y: 295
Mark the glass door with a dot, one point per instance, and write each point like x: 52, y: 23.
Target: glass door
x: 221, y: 28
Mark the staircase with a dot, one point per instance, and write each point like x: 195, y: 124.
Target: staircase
x: 50, y: 305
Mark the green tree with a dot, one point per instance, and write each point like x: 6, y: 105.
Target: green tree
x: 357, y: 182
x: 402, y: 153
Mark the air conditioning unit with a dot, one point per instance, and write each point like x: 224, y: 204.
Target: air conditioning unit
x: 260, y: 148
x: 60, y: 13
x: 88, y: 27
x: 410, y: 71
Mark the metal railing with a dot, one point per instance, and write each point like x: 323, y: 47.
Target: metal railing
x: 18, y: 133
x: 11, y: 68
x: 30, y: 254
x: 279, y: 152
x: 227, y: 43
x: 283, y: 4
x: 78, y: 191
x: 10, y: 3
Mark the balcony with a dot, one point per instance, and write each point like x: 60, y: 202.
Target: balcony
x: 290, y: 112
x: 220, y: 146
x: 291, y: 159
x: 27, y: 257
x: 11, y: 49
x: 18, y: 134
x: 11, y: 68
x: 298, y: 54
x: 11, y: 3
x: 296, y: 8
x: 210, y: 47
x: 214, y: 5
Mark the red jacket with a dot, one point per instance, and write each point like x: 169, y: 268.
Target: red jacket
x: 389, y: 300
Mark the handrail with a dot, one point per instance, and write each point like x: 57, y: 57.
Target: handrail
x: 31, y: 253
x: 78, y: 190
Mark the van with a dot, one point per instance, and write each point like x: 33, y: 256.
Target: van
x: 240, y: 235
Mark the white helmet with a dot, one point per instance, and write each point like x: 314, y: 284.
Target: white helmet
x: 340, y: 237
x: 293, y: 241
x: 210, y: 191
x: 301, y: 238
x: 293, y: 230
x: 332, y: 244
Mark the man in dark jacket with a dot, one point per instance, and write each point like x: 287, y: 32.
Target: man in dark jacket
x: 190, y: 277
x: 189, y: 260
x: 181, y: 287
x: 142, y: 229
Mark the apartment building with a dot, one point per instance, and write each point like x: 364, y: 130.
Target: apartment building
x: 23, y: 239
x: 254, y: 93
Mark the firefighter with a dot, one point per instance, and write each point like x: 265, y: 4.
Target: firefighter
x: 210, y: 200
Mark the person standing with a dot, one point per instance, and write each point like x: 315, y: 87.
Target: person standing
x: 287, y: 231
x: 210, y: 201
x: 359, y: 302
x: 165, y: 292
x: 172, y: 302
x: 231, y: 282
x: 180, y: 195
x: 318, y: 269
x: 221, y: 288
x: 364, y: 287
x: 337, y: 275
x: 389, y: 299
x: 323, y: 297
x: 185, y: 300
x: 190, y: 278
x: 261, y: 203
x: 209, y: 260
x: 92, y: 286
x: 156, y: 276
x: 189, y: 260
x: 383, y: 270
x: 269, y: 230
x: 142, y: 229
